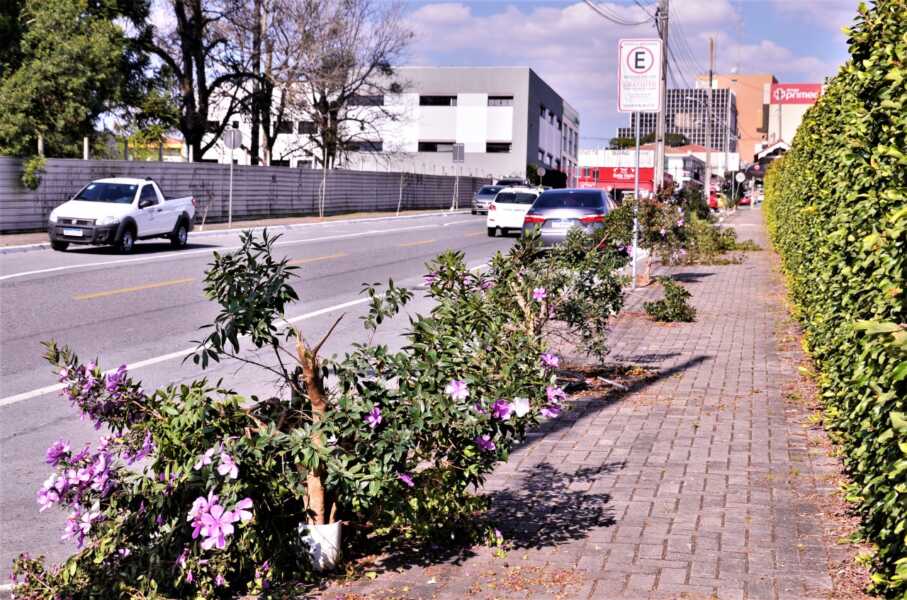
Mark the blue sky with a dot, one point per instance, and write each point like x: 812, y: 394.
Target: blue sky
x: 574, y: 49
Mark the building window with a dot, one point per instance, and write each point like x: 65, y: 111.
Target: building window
x: 559, y: 125
x: 365, y: 146
x: 375, y: 100
x: 436, y: 146
x: 437, y: 100
x: 544, y: 112
x: 280, y: 163
x: 541, y: 156
x: 307, y: 128
x: 211, y: 126
x: 550, y: 158
x: 497, y: 147
x: 557, y: 164
x: 285, y: 127
x: 304, y: 164
x: 500, y: 100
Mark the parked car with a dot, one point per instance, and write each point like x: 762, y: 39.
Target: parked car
x: 119, y: 211
x: 511, y: 182
x: 555, y: 212
x: 484, y: 197
x: 744, y: 201
x: 508, y: 209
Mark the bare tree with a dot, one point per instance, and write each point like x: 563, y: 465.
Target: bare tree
x: 342, y: 67
x: 187, y: 49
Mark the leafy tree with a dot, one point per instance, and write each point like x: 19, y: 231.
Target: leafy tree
x: 671, y: 139
x: 11, y: 34
x: 70, y: 73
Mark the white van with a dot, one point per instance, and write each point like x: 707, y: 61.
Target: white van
x: 509, y: 207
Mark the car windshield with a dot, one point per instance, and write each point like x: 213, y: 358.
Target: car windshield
x: 490, y: 190
x: 562, y: 199
x: 118, y: 193
x: 515, y: 198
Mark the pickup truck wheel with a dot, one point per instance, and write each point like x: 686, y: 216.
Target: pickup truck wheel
x: 179, y: 237
x: 127, y: 242
x: 493, y: 232
x: 59, y: 246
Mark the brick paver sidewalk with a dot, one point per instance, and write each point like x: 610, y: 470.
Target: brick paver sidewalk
x: 698, y: 484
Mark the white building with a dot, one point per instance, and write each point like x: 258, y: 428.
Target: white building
x: 506, y: 118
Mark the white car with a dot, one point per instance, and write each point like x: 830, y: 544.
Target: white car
x: 509, y: 207
x: 117, y: 212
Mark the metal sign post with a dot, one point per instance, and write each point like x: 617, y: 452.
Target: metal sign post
x: 232, y: 140
x: 639, y: 90
x: 459, y: 156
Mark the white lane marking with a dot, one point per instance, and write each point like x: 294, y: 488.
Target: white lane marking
x: 188, y: 351
x: 185, y: 253
x: 172, y: 355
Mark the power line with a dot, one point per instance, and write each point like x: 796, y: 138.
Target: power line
x: 614, y: 17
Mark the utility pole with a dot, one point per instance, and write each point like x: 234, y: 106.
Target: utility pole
x: 708, y: 124
x: 661, y: 22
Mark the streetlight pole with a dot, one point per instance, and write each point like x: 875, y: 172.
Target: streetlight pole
x: 636, y: 203
x: 708, y: 125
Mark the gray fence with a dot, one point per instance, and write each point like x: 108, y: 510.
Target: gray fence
x: 258, y: 192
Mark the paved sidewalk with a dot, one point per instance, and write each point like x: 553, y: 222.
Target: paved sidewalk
x: 700, y: 483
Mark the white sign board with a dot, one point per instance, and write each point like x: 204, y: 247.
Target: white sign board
x: 232, y: 138
x: 639, y: 75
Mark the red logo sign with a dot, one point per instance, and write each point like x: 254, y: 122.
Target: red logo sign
x: 795, y: 93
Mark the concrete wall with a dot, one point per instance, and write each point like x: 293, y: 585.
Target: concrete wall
x: 258, y: 192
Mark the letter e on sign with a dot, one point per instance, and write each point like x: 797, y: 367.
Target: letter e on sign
x: 639, y: 75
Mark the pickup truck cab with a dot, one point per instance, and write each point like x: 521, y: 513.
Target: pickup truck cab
x: 117, y: 212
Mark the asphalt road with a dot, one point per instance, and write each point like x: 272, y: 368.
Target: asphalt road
x: 145, y: 309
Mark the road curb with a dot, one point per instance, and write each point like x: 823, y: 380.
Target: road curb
x: 283, y: 227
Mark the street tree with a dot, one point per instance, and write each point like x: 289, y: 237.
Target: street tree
x: 69, y: 68
x: 187, y: 53
x: 342, y: 69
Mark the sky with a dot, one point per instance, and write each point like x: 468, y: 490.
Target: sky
x: 574, y: 50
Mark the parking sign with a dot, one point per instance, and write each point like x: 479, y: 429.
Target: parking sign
x: 639, y: 75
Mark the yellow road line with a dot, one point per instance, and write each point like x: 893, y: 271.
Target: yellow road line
x: 302, y: 261
x: 416, y: 243
x: 137, y: 288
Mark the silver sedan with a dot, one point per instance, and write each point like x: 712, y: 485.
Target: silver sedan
x: 484, y: 197
x: 556, y: 212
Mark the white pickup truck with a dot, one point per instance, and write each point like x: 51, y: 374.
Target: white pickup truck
x: 117, y: 212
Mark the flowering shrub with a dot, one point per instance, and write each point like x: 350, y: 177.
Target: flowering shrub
x: 674, y: 307
x: 197, y: 491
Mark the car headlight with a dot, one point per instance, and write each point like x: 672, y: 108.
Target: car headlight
x: 53, y: 217
x: 108, y: 221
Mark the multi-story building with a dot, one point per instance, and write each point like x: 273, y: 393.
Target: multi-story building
x: 752, y: 106
x: 506, y: 118
x: 687, y: 113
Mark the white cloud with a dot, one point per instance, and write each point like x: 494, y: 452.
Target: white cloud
x: 828, y: 14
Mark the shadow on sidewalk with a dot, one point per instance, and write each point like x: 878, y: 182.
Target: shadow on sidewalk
x: 545, y: 510
x: 690, y: 277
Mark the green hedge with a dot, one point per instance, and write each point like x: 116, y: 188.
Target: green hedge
x: 836, y: 207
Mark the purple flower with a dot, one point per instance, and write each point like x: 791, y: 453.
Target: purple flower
x: 680, y: 222
x: 539, y: 294
x: 457, y: 389
x: 406, y: 478
x: 521, y: 406
x: 124, y: 552
x: 189, y: 578
x: 216, y: 526
x: 146, y: 449
x: 181, y: 559
x: 373, y: 418
x: 242, y: 510
x: 116, y: 379
x: 550, y: 360
x: 551, y: 411
x: 48, y: 494
x: 57, y: 452
x: 555, y: 395
x: 501, y: 410
x: 480, y: 409
x: 219, y: 581
x: 486, y: 284
x: 431, y: 278
x: 662, y: 232
x: 227, y: 467
x: 484, y: 442
x: 204, y: 459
